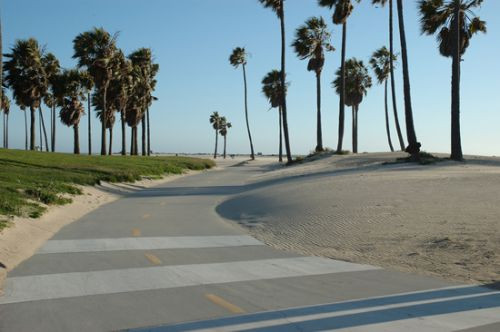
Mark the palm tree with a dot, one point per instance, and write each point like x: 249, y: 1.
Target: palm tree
x: 224, y: 126
x: 216, y: 120
x: 88, y: 84
x: 26, y: 78
x: 343, y: 9
x: 413, y: 145
x: 456, y: 23
x: 142, y: 59
x: 73, y: 90
x: 381, y: 65
x: 52, y: 69
x: 271, y: 88
x: 23, y: 109
x: 357, y: 83
x: 94, y: 50
x: 391, y: 65
x: 311, y: 41
x: 5, y: 104
x: 236, y: 59
x: 278, y: 6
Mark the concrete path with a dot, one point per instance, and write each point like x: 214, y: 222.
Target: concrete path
x: 162, y: 259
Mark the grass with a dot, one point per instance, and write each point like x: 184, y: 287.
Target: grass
x: 29, y: 178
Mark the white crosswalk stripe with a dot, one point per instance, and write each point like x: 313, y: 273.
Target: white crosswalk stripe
x: 147, y: 243
x: 54, y: 286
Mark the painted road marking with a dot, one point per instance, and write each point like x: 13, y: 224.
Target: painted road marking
x: 62, y: 285
x: 441, y: 314
x: 136, y: 232
x: 224, y: 304
x: 147, y: 243
x: 153, y: 259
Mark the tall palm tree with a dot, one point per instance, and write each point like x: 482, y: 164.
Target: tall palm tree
x: 120, y: 89
x: 73, y: 91
x: 413, y: 147
x: 216, y: 121
x: 271, y: 88
x: 224, y: 126
x: 94, y: 50
x: 5, y: 104
x: 381, y: 65
x: 311, y: 41
x: 142, y: 59
x: 357, y: 83
x: 52, y: 69
x: 278, y: 6
x: 239, y: 58
x: 391, y: 65
x: 88, y: 84
x: 26, y: 78
x: 343, y: 9
x: 1, y: 64
x: 23, y: 109
x: 456, y: 23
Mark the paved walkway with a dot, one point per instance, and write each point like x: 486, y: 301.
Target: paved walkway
x: 162, y: 259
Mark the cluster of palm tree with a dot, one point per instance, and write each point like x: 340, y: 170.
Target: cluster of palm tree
x: 221, y: 126
x: 456, y: 23
x: 107, y: 79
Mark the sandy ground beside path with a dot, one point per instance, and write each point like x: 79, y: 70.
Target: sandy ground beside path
x: 441, y: 219
x: 25, y: 235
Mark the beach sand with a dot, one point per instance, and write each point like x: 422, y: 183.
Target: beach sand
x: 441, y: 220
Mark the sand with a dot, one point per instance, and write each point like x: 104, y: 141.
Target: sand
x: 441, y: 220
x: 25, y: 235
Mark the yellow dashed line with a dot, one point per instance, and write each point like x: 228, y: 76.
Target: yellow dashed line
x: 153, y: 259
x: 136, y: 232
x: 146, y: 216
x: 223, y: 303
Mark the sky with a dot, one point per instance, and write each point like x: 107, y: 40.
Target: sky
x: 192, y: 40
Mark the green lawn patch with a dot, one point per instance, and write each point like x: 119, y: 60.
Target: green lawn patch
x: 28, y: 178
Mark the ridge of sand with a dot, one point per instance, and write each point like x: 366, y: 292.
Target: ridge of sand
x: 24, y: 236
x: 441, y: 219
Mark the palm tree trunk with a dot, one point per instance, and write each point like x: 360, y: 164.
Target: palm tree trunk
x: 149, y: 132
x: 40, y: 131
x: 252, y: 154
x: 413, y: 145
x: 25, y: 131
x: 32, y: 129
x: 281, y: 138
x: 76, y: 144
x: 143, y: 123
x: 131, y: 141
x: 7, y: 130
x: 387, y: 119
x: 354, y: 147
x: 456, y: 144
x: 216, y: 143
x: 90, y: 126
x: 393, y: 83
x: 136, y: 145
x: 53, y: 128
x: 110, y: 152
x: 104, y: 118
x: 319, y: 134
x: 3, y: 118
x: 124, y: 133
x: 342, y: 89
x: 225, y: 139
x: 283, y: 82
x: 44, y: 130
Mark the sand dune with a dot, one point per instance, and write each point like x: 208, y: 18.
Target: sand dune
x: 441, y: 219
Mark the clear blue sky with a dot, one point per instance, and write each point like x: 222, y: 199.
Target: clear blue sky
x: 192, y: 39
